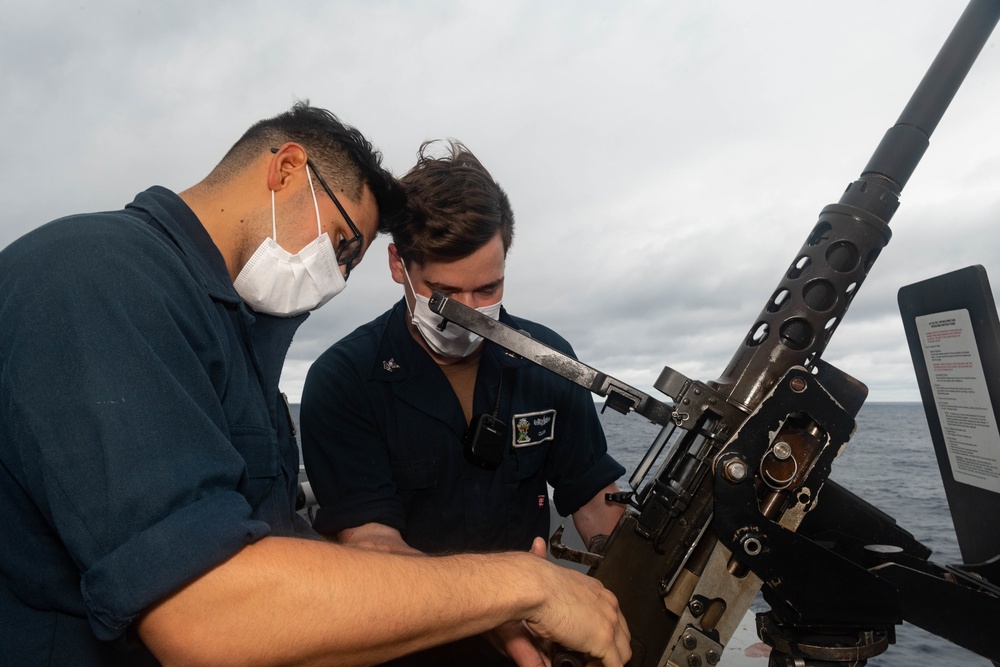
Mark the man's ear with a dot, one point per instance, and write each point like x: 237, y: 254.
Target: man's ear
x: 286, y: 161
x: 396, y: 265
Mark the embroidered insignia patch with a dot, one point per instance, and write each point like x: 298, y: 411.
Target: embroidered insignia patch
x: 541, y: 502
x: 390, y: 365
x: 534, y: 428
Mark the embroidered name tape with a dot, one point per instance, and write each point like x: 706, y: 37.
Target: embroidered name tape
x: 534, y: 428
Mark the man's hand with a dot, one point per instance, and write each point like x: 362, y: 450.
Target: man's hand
x: 516, y: 641
x: 376, y: 536
x: 579, y: 613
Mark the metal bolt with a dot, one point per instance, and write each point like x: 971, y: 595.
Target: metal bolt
x: 751, y: 546
x: 736, y: 470
x: 694, y: 661
x: 697, y: 607
x: 689, y: 641
x: 782, y: 450
x: 712, y: 656
x: 798, y: 385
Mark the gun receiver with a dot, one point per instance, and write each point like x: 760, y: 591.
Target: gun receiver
x: 734, y: 503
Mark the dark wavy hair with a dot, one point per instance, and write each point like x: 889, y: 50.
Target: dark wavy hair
x: 347, y: 160
x: 453, y: 207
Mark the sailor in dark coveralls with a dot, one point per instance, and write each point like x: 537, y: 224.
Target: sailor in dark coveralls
x: 148, y: 474
x: 386, y: 410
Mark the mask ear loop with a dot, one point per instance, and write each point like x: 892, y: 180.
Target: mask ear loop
x: 274, y: 225
x: 413, y: 320
x: 319, y: 227
x: 406, y: 275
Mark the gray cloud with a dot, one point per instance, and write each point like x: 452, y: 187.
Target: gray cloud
x: 665, y: 160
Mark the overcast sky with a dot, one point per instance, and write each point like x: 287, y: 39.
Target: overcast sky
x: 665, y: 160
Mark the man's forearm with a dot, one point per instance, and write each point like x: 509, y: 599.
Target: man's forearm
x: 595, y: 520
x: 287, y: 601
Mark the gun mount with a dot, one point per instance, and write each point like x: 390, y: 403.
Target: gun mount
x: 741, y: 499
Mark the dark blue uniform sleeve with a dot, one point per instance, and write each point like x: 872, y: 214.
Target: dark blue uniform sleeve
x: 578, y: 465
x: 343, y: 446
x: 112, y: 424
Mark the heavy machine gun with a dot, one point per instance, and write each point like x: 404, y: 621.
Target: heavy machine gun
x: 740, y: 499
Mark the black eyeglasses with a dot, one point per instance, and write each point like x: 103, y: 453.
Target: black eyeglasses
x: 349, y: 250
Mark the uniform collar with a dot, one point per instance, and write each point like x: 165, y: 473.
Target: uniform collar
x: 180, y: 223
x: 399, y: 355
x: 400, y: 358
x: 271, y: 336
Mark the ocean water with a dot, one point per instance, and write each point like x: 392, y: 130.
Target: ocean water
x: 890, y: 463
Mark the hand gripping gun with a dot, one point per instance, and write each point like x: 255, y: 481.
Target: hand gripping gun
x: 740, y: 500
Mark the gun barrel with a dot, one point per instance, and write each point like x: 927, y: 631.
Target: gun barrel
x: 812, y: 298
x: 904, y: 144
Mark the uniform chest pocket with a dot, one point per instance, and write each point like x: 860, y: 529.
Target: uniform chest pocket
x: 259, y: 448
x: 522, y: 464
x: 415, y: 475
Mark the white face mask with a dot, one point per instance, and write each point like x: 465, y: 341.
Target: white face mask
x: 454, y: 341
x: 276, y: 282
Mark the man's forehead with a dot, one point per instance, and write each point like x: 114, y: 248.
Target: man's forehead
x: 467, y: 283
x: 368, y: 224
x: 480, y: 269
x: 461, y: 275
